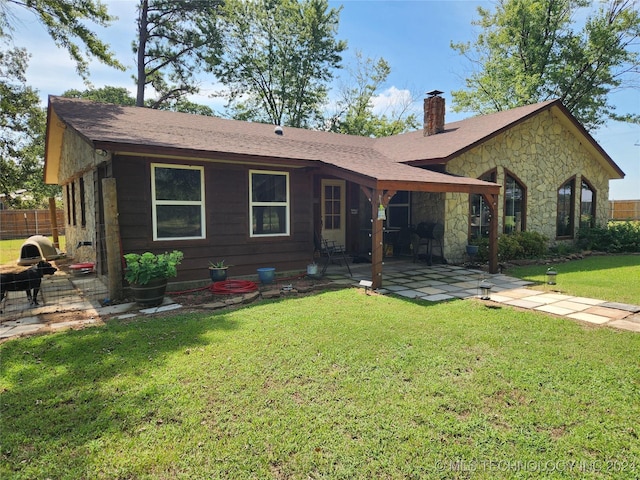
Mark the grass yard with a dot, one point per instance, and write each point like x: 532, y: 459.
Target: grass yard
x: 337, y: 385
x: 615, y: 278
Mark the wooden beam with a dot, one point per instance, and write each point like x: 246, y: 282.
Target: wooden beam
x: 492, y: 203
x: 54, y: 222
x: 112, y: 234
x: 377, y: 240
x: 377, y: 198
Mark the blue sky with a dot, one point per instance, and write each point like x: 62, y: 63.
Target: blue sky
x: 412, y: 36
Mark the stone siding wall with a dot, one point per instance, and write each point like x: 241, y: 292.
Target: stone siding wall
x: 79, y: 160
x: 543, y: 154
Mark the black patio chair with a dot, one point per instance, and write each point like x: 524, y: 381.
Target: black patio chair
x: 332, y: 252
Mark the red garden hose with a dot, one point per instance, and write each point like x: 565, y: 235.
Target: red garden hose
x: 229, y: 287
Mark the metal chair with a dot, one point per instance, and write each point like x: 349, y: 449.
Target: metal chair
x: 333, y: 253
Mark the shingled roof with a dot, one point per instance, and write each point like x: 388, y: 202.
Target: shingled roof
x: 378, y: 163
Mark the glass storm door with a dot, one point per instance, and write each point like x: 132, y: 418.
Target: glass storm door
x: 333, y: 210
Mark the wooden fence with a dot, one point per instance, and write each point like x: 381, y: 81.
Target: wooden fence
x: 624, y: 209
x: 24, y: 223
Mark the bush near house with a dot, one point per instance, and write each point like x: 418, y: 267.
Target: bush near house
x: 514, y: 246
x: 617, y: 237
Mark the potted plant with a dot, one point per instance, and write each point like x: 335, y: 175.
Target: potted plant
x: 147, y: 275
x: 218, y: 271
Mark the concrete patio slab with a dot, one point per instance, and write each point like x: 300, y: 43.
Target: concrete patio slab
x: 621, y: 306
x: 571, y: 305
x: 518, y: 302
x: 587, y: 301
x: 437, y: 298
x: 520, y: 292
x: 588, y: 317
x: 625, y: 325
x: 555, y: 310
x: 610, y: 313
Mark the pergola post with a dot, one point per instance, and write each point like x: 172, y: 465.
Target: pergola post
x: 112, y: 233
x: 492, y: 203
x: 377, y: 198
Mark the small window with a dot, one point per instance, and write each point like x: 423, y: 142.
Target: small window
x: 177, y: 194
x: 398, y: 213
x: 68, y: 204
x: 73, y: 203
x: 565, y: 219
x: 587, y: 205
x: 268, y: 203
x: 514, y: 205
x: 83, y: 210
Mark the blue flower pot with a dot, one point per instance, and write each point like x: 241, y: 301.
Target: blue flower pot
x: 266, y: 274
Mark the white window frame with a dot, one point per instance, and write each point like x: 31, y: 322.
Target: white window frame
x: 286, y: 204
x: 155, y: 203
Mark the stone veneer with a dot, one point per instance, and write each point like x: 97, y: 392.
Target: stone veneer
x: 543, y: 154
x: 79, y: 160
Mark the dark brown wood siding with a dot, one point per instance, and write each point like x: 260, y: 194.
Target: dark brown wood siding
x: 227, y: 220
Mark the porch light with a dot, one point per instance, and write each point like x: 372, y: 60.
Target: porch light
x: 485, y: 290
x: 551, y: 276
x: 367, y: 284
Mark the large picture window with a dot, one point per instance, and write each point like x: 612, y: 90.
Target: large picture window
x: 177, y: 194
x: 479, y: 212
x: 587, y: 205
x: 514, y: 205
x: 269, y: 203
x: 564, y: 222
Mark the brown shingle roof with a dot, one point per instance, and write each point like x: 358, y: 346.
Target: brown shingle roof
x: 457, y: 136
x: 119, y: 128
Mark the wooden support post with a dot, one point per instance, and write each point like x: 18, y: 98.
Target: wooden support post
x: 112, y: 240
x: 492, y: 203
x: 377, y: 241
x: 54, y: 222
x: 377, y: 197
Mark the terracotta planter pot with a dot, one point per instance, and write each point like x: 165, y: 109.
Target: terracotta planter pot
x: 150, y: 294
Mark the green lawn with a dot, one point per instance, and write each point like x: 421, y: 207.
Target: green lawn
x: 335, y: 385
x: 615, y: 278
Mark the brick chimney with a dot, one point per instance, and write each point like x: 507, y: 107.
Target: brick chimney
x: 433, y: 113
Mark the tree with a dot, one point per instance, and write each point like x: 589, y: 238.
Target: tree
x: 278, y: 58
x: 107, y: 94
x: 529, y: 52
x: 355, y: 108
x: 22, y: 126
x: 175, y: 37
x: 66, y: 23
x: 22, y: 121
x: 121, y: 96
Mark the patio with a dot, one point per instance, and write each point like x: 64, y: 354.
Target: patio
x: 418, y: 280
x: 78, y: 300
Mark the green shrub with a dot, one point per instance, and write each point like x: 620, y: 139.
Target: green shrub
x: 534, y: 244
x: 509, y: 248
x: 514, y: 246
x: 142, y: 268
x: 617, y: 237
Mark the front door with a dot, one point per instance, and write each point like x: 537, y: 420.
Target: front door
x: 333, y: 210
